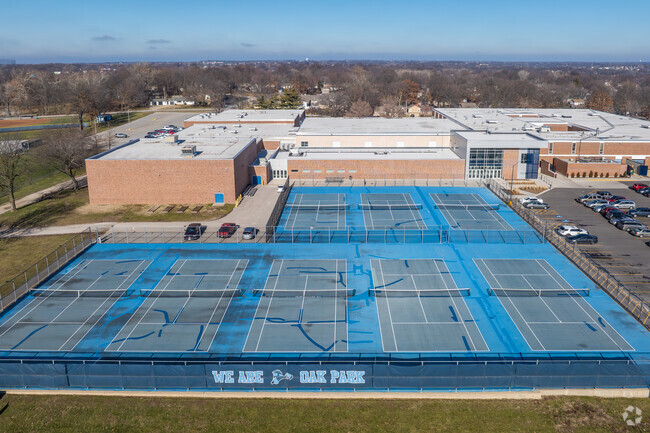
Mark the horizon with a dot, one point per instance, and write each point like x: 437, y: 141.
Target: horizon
x: 425, y: 31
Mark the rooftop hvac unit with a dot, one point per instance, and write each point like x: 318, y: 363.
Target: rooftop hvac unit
x: 253, y: 129
x: 645, y: 126
x: 234, y: 131
x: 477, y: 116
x: 566, y: 116
x: 188, y: 151
x: 491, y: 122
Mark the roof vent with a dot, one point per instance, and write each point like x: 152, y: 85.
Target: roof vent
x: 188, y: 151
x: 491, y: 122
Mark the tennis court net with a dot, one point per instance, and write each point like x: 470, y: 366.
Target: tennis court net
x: 318, y: 207
x: 301, y: 293
x: 397, y: 206
x: 513, y: 293
x: 436, y: 293
x: 193, y: 293
x: 56, y: 293
x: 468, y: 207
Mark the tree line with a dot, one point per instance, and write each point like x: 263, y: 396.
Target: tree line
x: 334, y: 88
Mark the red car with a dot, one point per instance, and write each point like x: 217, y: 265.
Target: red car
x: 606, y: 209
x: 638, y: 186
x: 615, y: 197
x: 227, y: 230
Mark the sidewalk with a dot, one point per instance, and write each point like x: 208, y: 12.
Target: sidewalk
x: 38, y: 196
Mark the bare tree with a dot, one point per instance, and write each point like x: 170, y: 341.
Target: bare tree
x: 67, y: 151
x: 359, y: 109
x: 12, y: 166
x: 390, y: 108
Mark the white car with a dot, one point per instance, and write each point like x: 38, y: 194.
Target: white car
x: 281, y: 188
x: 570, y: 231
x: 529, y: 199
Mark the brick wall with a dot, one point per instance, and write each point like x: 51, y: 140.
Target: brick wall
x: 510, y: 160
x: 263, y: 171
x: 569, y: 168
x: 609, y: 148
x: 377, y: 169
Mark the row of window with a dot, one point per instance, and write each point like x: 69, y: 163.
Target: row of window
x: 601, y: 148
x: 485, y: 158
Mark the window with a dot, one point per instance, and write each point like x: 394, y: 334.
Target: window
x: 601, y: 150
x: 524, y: 158
x: 304, y: 144
x: 432, y: 144
x: 485, y: 163
x: 340, y: 171
x: 336, y: 144
x: 400, y: 144
x: 329, y: 171
x: 550, y: 148
x: 293, y: 170
x: 305, y: 171
x: 352, y: 171
x: 368, y: 144
x: 317, y: 171
x: 573, y: 148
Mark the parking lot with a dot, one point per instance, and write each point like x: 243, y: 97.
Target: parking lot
x: 624, y: 256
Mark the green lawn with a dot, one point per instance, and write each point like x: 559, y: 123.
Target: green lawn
x: 122, y: 119
x: 34, y: 413
x: 19, y: 253
x: 62, y: 208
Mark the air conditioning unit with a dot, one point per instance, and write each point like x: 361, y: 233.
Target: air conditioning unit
x: 188, y: 151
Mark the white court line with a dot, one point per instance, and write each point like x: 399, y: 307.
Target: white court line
x: 266, y: 283
x: 373, y: 273
x: 153, y: 301
x: 241, y: 275
x: 41, y: 298
x: 451, y: 298
x: 542, y: 299
x: 294, y: 212
x: 592, y: 309
x: 511, y: 303
x: 278, y: 273
x: 336, y: 299
x: 108, y: 309
x: 390, y: 316
x: 415, y: 286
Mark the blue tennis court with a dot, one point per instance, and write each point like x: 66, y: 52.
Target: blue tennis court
x: 370, y: 314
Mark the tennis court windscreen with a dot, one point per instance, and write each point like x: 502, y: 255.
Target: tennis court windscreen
x: 468, y: 207
x: 287, y: 293
x: 318, y: 207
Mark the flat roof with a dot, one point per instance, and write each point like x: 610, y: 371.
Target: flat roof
x: 597, y: 125
x: 249, y: 116
x: 502, y: 139
x: 377, y: 154
x: 331, y: 126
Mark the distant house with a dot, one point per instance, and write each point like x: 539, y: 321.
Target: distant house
x: 576, y: 103
x: 468, y: 105
x: 174, y: 100
x: 413, y: 110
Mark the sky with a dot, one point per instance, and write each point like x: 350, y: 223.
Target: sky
x: 66, y: 31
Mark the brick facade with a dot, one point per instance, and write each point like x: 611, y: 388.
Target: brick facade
x: 574, y: 169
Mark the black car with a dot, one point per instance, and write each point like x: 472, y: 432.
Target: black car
x: 536, y: 205
x: 639, y: 212
x: 582, y: 239
x: 192, y: 232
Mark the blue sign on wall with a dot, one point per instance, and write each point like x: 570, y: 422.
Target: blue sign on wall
x: 218, y: 199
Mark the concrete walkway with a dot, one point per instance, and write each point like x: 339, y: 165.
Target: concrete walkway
x: 253, y: 211
x: 38, y: 196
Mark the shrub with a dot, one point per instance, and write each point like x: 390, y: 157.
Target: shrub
x: 615, y: 174
x: 573, y: 175
x: 584, y: 174
x: 591, y: 173
x: 607, y: 174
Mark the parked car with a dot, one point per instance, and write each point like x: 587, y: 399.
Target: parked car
x: 615, y: 219
x: 644, y: 191
x: 639, y: 212
x: 615, y: 213
x: 227, y: 230
x: 192, y: 232
x: 249, y: 233
x: 121, y: 135
x: 614, y: 198
x: 280, y: 188
x: 568, y: 230
x: 529, y: 199
x: 638, y: 186
x: 598, y: 202
x: 587, y: 197
x: 624, y: 204
x: 641, y: 232
x: 628, y: 224
x: 582, y: 239
x: 600, y: 207
x: 603, y: 210
x: 648, y: 243
x: 604, y: 194
x: 536, y: 205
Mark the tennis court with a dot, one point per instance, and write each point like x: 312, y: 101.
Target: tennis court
x: 303, y: 308
x: 382, y: 211
x: 421, y: 309
x: 183, y: 312
x: 549, y: 313
x: 469, y: 211
x: 59, y: 315
x: 316, y: 211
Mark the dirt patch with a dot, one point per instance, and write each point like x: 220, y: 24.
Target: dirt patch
x: 580, y: 415
x: 99, y: 209
x: 12, y: 123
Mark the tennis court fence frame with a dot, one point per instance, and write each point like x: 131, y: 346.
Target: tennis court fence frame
x: 615, y: 289
x: 381, y: 373
x: 18, y: 286
x: 279, y: 235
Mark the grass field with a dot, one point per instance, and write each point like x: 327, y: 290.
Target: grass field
x: 71, y: 207
x: 34, y: 413
x: 19, y: 253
